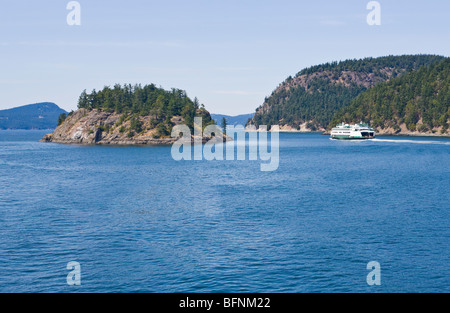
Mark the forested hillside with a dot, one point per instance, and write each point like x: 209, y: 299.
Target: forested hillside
x: 420, y: 101
x: 315, y: 94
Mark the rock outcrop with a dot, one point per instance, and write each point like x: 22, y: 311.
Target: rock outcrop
x: 96, y: 127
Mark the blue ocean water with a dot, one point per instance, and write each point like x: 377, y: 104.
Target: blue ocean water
x: 138, y: 221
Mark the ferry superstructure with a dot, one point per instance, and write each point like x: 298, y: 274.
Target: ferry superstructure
x: 358, y: 131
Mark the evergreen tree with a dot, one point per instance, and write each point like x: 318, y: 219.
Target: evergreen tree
x: 224, y: 125
x: 62, y: 117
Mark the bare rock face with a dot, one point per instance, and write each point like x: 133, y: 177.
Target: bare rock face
x: 92, y: 127
x: 95, y: 127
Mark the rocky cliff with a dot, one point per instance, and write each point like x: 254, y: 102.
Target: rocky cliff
x: 97, y: 127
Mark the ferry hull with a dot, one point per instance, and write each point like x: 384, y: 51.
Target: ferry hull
x: 352, y: 138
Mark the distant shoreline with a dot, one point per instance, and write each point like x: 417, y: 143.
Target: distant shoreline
x: 406, y: 135
x: 284, y: 132
x: 415, y: 135
x: 378, y: 135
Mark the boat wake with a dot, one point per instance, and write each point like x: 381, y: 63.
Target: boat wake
x: 435, y: 142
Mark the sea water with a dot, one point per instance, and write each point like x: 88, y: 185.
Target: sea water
x: 138, y: 221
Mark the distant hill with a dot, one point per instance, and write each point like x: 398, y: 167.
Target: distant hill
x: 33, y: 116
x: 418, y: 102
x: 311, y: 98
x: 232, y: 120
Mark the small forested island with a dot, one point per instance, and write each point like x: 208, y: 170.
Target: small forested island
x: 397, y: 95
x: 128, y: 115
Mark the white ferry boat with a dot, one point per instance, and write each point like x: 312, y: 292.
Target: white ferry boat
x: 357, y: 131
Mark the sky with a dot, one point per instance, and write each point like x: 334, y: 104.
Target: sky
x: 230, y: 54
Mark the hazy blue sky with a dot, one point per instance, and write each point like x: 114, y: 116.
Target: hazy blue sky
x: 228, y: 53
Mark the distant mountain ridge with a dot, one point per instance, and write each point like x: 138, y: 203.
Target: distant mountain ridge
x: 232, y: 120
x: 42, y: 115
x: 310, y: 100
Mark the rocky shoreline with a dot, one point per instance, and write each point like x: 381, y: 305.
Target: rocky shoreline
x: 96, y: 127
